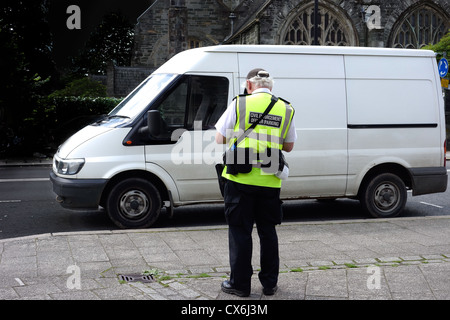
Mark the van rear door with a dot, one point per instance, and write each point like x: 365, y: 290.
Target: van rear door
x: 393, y: 114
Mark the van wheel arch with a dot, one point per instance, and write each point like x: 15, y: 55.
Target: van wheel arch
x: 159, y: 185
x: 393, y: 168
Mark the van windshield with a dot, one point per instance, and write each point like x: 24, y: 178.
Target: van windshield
x: 139, y: 99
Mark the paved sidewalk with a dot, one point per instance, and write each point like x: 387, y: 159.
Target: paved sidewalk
x: 399, y: 258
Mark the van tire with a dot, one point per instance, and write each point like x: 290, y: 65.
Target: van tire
x: 134, y: 203
x: 384, y: 196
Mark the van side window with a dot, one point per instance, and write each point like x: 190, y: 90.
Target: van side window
x: 196, y: 101
x: 207, y: 101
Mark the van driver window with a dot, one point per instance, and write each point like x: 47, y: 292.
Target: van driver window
x: 197, y: 101
x: 173, y: 108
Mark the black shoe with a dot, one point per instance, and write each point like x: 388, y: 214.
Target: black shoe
x: 228, y: 288
x: 270, y: 291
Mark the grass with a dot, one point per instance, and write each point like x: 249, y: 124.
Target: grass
x: 201, y: 275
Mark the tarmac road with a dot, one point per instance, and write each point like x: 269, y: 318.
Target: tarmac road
x: 28, y: 207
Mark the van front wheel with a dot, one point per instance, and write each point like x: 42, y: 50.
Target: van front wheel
x: 134, y: 203
x: 384, y: 196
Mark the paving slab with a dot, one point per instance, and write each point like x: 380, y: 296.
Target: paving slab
x: 364, y: 259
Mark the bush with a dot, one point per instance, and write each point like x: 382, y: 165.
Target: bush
x: 67, y: 108
x: 50, y: 120
x: 83, y: 87
x: 56, y: 118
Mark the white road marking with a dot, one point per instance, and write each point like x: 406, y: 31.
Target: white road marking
x: 19, y: 281
x: 10, y: 201
x: 25, y: 180
x: 430, y: 204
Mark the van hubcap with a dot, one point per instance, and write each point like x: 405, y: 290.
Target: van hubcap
x: 134, y: 203
x: 386, y: 196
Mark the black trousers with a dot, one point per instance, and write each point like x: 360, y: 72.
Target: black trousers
x: 245, y: 205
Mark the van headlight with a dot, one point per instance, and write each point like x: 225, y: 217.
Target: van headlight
x: 68, y: 166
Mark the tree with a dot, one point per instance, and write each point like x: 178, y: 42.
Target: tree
x: 111, y: 40
x: 26, y: 63
x: 442, y: 46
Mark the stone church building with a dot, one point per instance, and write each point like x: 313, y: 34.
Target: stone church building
x: 170, y: 26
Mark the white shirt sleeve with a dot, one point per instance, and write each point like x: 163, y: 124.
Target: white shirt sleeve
x: 291, y: 135
x: 228, y: 120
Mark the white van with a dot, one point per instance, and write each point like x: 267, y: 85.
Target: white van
x: 370, y: 125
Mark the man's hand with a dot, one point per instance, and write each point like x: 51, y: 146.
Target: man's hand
x: 287, y: 146
x: 220, y: 139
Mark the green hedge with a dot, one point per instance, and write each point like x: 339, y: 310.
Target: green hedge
x: 56, y: 118
x: 64, y: 109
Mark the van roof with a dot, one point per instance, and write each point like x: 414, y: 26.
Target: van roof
x: 331, y: 50
x: 206, y: 59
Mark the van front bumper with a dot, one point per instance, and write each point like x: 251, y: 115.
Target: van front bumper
x: 78, y: 193
x: 428, y: 180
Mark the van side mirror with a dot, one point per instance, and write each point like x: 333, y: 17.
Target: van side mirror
x: 156, y: 127
x: 154, y: 123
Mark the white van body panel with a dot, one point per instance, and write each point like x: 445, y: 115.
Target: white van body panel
x: 79, y: 138
x: 387, y: 91
x: 190, y: 164
x: 201, y: 61
x: 312, y: 83
x: 190, y: 161
x: 166, y: 179
x: 105, y: 155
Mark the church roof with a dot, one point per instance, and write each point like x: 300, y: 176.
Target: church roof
x: 247, y: 14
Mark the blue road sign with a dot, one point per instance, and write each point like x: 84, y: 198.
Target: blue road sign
x: 443, y: 67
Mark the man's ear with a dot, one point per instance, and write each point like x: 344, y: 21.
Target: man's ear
x: 248, y: 87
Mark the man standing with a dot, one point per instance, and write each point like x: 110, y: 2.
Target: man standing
x: 251, y: 194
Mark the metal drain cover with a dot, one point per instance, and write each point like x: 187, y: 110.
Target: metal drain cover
x: 146, y: 278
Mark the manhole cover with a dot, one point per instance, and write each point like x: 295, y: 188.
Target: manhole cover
x: 137, y: 278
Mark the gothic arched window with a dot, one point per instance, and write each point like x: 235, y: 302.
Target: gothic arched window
x: 334, y: 28
x: 418, y: 27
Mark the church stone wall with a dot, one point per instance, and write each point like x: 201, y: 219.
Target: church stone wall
x: 169, y: 27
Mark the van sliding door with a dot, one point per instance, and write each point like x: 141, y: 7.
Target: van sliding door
x: 315, y: 86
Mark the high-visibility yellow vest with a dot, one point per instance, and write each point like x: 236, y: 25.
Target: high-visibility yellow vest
x: 270, y: 132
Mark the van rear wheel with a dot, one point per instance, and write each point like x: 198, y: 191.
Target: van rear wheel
x: 134, y: 203
x: 384, y: 196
